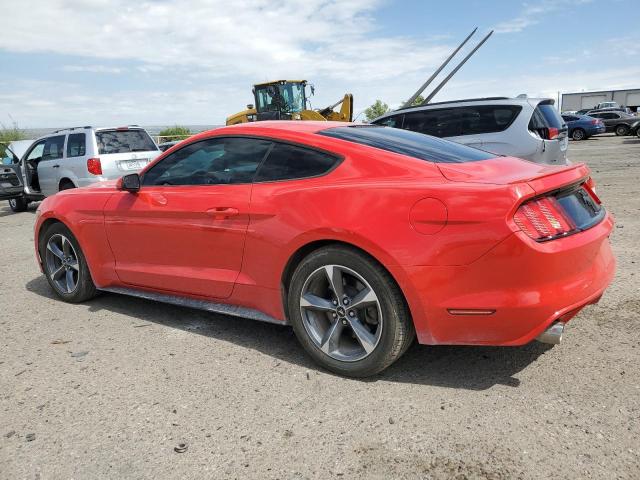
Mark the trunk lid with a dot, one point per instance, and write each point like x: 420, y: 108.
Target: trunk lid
x: 511, y: 170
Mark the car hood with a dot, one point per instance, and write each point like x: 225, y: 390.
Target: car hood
x: 511, y: 170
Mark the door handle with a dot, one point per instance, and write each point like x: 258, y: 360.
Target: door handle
x: 220, y: 213
x: 55, y: 166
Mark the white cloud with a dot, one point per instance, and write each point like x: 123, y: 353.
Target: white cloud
x: 92, y: 69
x: 532, y: 14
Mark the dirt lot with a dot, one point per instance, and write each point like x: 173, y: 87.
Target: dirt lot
x: 109, y: 388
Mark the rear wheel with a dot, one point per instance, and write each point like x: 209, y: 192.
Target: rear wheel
x: 348, y: 313
x: 19, y: 204
x: 65, y: 265
x: 622, y: 130
x: 578, y: 134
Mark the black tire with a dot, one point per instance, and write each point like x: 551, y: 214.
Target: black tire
x: 397, y: 327
x: 19, y: 204
x: 638, y: 133
x: 85, y: 288
x: 622, y: 130
x: 579, y: 134
x: 66, y: 185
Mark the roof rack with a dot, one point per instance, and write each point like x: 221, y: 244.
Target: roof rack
x: 71, y: 128
x: 455, y: 101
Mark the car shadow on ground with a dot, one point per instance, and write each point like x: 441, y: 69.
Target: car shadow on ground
x: 5, y: 210
x: 470, y: 368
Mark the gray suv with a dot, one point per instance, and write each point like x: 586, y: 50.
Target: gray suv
x: 520, y: 127
x: 619, y: 122
x: 77, y: 157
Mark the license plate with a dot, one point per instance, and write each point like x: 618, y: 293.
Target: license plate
x: 133, y: 164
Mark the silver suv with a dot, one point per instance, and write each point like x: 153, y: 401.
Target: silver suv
x: 520, y: 127
x: 77, y: 157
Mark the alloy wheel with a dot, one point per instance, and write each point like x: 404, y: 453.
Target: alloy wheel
x: 61, y: 262
x: 341, y: 313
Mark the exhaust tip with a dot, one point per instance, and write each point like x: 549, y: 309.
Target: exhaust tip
x: 553, y: 334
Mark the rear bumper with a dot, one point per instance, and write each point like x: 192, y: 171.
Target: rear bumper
x: 514, y: 292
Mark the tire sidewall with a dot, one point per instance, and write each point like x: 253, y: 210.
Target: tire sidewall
x: 85, y: 287
x: 621, y: 130
x: 391, y: 312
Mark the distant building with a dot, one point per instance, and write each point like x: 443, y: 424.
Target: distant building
x: 577, y: 101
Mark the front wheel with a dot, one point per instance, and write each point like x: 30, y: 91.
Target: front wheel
x: 622, y: 130
x: 348, y: 313
x: 64, y: 265
x: 19, y: 204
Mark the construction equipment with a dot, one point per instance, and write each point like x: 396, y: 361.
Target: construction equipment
x: 287, y: 100
x: 409, y: 103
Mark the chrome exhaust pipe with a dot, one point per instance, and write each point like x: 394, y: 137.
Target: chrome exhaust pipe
x: 553, y: 334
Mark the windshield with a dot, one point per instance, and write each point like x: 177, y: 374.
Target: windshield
x: 288, y: 97
x: 405, y: 142
x: 124, y: 141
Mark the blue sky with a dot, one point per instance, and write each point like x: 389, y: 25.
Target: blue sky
x: 106, y: 62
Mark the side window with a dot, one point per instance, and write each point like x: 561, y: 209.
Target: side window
x: 76, y: 145
x: 439, y: 123
x: 53, y: 148
x: 395, y: 121
x: 36, y: 151
x: 609, y: 116
x: 287, y: 162
x: 487, y: 118
x: 210, y: 162
x: 595, y: 115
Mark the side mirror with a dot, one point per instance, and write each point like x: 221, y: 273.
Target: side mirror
x: 249, y: 106
x: 129, y: 183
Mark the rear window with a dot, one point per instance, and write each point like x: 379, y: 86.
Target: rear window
x: 124, y: 141
x: 408, y: 143
x: 545, y: 116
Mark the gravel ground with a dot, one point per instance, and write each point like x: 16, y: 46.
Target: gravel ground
x: 108, y: 389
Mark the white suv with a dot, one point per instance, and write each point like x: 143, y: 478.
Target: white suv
x: 77, y: 157
x: 520, y: 127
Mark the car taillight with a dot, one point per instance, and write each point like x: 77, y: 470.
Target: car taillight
x: 543, y: 219
x: 590, y: 187
x: 595, y: 122
x: 553, y: 133
x: 94, y: 166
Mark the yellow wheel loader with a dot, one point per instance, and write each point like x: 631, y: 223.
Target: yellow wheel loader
x: 287, y: 100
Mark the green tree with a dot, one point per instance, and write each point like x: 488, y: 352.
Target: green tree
x: 419, y: 99
x: 375, y: 110
x: 176, y: 132
x: 8, y: 135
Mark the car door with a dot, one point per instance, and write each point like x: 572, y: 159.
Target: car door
x: 610, y: 120
x: 74, y: 166
x: 49, y: 166
x: 184, y: 231
x: 29, y: 164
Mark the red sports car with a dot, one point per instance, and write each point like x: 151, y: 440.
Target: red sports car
x: 361, y: 237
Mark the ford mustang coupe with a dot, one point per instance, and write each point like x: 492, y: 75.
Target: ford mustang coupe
x: 361, y: 237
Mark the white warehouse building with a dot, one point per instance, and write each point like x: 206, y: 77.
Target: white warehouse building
x: 625, y: 98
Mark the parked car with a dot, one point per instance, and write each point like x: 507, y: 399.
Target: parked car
x: 361, y: 237
x: 167, y: 145
x: 10, y: 185
x: 603, y: 105
x: 635, y: 129
x: 617, y: 122
x: 520, y: 127
x: 81, y: 156
x: 582, y: 127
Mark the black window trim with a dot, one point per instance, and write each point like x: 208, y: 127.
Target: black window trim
x: 404, y: 114
x: 339, y: 159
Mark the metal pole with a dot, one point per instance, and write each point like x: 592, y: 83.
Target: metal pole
x: 448, y: 77
x: 409, y: 102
